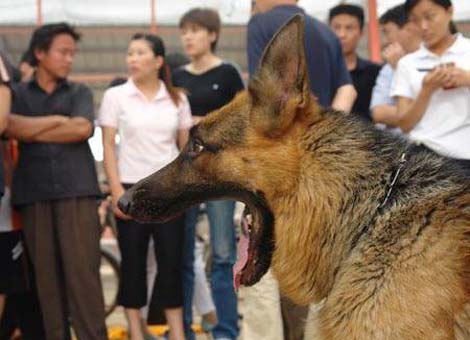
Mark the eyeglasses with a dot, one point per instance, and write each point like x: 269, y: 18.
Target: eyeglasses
x: 64, y: 52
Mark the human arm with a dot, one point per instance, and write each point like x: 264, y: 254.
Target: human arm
x: 385, y: 114
x: 70, y: 130
x: 185, y: 121
x: 344, y: 98
x: 183, y: 137
x: 411, y: 111
x: 27, y: 129
x: 5, y: 103
x: 108, y: 119
x: 345, y: 95
x: 197, y: 119
x: 5, y: 96
x: 110, y: 162
x: 383, y: 107
x: 78, y: 126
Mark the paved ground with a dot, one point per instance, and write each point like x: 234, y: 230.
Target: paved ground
x: 116, y: 321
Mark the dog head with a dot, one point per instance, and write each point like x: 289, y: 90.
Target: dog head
x: 247, y: 150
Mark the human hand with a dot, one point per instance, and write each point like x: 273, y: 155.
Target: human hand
x: 458, y: 78
x: 393, y: 53
x: 27, y: 72
x: 115, y: 196
x: 437, y: 78
x: 197, y: 119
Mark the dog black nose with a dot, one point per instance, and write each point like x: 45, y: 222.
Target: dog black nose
x: 124, y: 203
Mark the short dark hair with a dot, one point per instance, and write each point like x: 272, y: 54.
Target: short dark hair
x: 204, y: 17
x: 43, y: 36
x: 352, y: 10
x: 410, y: 4
x: 396, y: 15
x: 446, y: 4
x: 27, y: 57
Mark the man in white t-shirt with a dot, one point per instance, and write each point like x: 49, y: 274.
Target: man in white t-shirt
x: 400, y: 37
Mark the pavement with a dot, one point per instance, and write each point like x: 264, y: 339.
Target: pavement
x: 116, y: 321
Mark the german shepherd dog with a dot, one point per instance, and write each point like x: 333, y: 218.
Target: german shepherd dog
x: 377, y: 228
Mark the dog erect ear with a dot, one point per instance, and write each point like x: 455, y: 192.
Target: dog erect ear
x: 280, y: 89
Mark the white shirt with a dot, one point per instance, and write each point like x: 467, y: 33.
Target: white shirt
x: 382, y: 88
x: 445, y: 126
x: 148, y: 129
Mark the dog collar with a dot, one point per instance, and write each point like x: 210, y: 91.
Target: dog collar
x: 394, y: 180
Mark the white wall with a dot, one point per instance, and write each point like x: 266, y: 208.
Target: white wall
x: 122, y: 12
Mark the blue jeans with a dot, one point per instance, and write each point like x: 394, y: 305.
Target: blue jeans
x: 223, y: 243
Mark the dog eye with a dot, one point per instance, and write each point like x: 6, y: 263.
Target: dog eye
x: 196, y: 147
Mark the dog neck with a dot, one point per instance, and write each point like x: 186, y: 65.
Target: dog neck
x: 320, y: 222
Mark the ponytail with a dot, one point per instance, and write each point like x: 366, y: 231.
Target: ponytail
x: 165, y: 76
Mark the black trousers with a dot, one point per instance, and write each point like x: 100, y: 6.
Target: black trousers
x: 133, y: 239
x: 294, y: 318
x: 22, y: 311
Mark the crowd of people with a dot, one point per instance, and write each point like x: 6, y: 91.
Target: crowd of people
x: 49, y: 224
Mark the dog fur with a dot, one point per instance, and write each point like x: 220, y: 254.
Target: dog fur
x: 376, y: 228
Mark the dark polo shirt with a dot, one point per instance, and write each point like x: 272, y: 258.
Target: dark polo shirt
x: 51, y: 171
x: 326, y: 67
x: 363, y: 77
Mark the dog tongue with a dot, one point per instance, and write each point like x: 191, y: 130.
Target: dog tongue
x: 242, y: 257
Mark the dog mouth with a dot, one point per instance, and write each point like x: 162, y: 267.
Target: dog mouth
x: 256, y: 244
x: 149, y: 210
x: 255, y: 247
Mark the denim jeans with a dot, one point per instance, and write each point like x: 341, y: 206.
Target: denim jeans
x: 223, y: 243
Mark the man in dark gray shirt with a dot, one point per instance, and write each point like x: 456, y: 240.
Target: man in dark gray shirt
x: 55, y: 187
x: 330, y: 81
